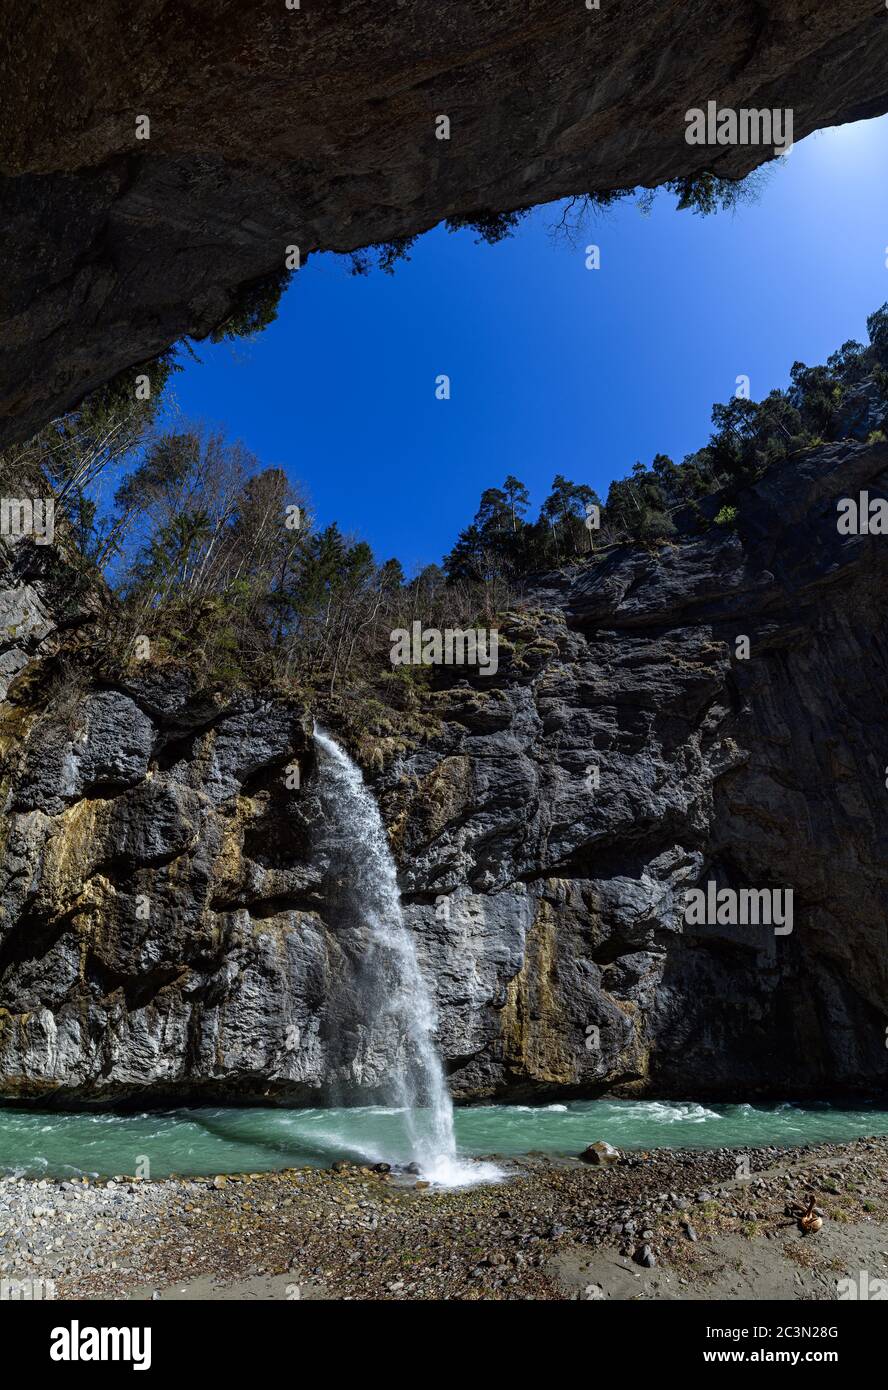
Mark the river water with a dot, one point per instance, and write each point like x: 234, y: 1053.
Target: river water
x: 207, y: 1140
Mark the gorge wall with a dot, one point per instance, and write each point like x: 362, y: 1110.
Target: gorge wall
x: 169, y: 914
x: 272, y: 127
x: 167, y: 909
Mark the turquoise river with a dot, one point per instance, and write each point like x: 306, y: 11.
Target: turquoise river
x: 225, y: 1140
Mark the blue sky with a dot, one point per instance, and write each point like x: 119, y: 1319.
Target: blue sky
x: 554, y: 368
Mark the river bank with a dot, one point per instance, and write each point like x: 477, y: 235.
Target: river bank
x: 674, y: 1223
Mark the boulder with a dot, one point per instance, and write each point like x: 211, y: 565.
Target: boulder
x: 601, y: 1152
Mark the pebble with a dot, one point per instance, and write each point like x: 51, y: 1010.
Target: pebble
x: 364, y: 1237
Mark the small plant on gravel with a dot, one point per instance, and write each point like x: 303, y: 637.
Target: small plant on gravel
x: 802, y: 1253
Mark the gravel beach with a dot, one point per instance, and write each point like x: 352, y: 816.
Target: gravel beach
x: 665, y: 1224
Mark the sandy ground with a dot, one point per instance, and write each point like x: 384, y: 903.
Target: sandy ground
x: 669, y: 1225
x: 737, y: 1267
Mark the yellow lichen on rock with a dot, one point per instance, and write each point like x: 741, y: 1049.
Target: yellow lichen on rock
x: 70, y: 853
x: 532, y: 1022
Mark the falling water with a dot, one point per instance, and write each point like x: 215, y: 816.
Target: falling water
x: 392, y: 996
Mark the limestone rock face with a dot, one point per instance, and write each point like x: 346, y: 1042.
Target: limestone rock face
x: 645, y: 757
x: 169, y: 920
x: 315, y: 127
x: 37, y: 605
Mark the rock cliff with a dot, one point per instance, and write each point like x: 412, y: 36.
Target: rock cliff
x: 169, y: 922
x: 167, y: 902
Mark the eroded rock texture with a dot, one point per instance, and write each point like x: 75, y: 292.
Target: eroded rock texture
x: 316, y: 127
x: 169, y: 903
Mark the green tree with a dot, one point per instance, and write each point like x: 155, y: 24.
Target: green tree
x: 252, y: 308
x: 563, y: 516
x: 877, y: 327
x: 492, y: 227
x: 817, y: 395
x: 638, y: 506
x: 465, y: 561
x: 517, y: 499
x: 103, y: 434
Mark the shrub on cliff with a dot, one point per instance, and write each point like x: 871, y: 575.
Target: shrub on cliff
x: 253, y: 307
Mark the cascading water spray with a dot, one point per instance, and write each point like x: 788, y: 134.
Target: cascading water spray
x: 394, y: 999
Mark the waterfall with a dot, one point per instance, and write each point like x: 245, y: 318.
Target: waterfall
x: 398, y: 1017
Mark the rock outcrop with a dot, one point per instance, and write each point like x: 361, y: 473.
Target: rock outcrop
x: 315, y: 126
x: 167, y: 904
x: 169, y: 917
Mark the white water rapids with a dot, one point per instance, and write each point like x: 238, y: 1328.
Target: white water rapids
x: 393, y: 996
